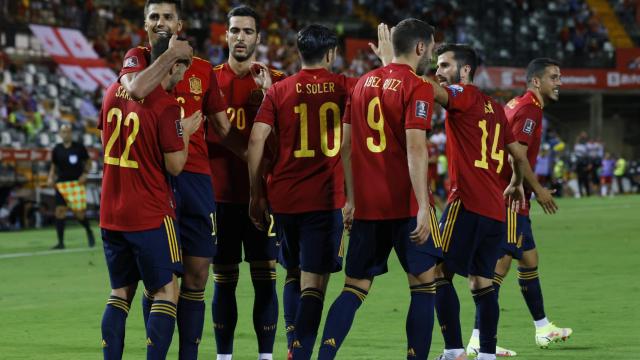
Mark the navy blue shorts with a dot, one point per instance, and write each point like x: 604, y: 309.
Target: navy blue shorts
x: 371, y: 242
x: 235, y: 231
x: 152, y: 256
x: 311, y: 241
x: 518, y: 235
x: 471, y: 242
x: 196, y: 212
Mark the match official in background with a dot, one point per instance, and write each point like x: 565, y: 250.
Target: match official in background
x: 70, y: 165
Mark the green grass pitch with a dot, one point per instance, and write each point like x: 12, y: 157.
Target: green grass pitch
x: 51, y: 304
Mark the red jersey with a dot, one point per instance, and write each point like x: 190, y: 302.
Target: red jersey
x: 305, y: 110
x: 229, y: 174
x: 477, y: 132
x: 136, y: 195
x: 524, y: 114
x: 384, y: 104
x: 198, y: 90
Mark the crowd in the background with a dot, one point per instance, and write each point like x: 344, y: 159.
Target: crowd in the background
x: 586, y: 169
x: 35, y: 99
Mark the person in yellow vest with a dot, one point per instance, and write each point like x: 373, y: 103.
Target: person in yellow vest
x: 619, y: 172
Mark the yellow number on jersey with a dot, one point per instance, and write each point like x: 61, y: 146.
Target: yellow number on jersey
x: 240, y: 117
x: 374, y: 105
x: 336, y: 125
x: 495, y: 155
x: 123, y: 160
x: 271, y: 233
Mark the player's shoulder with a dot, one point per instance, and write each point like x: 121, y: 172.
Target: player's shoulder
x: 199, y: 65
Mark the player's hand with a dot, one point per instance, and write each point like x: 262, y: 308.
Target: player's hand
x: 515, y: 196
x: 258, y: 212
x: 261, y: 75
x: 191, y: 123
x: 82, y: 179
x: 423, y: 227
x: 384, y: 50
x: 181, y: 48
x: 545, y: 199
x: 347, y: 215
x: 50, y: 182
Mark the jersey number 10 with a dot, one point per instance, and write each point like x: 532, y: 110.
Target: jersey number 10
x: 304, y: 151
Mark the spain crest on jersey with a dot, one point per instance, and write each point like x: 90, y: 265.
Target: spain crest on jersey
x: 195, y: 85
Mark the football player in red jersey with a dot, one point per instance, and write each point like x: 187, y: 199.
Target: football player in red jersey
x: 306, y: 186
x: 143, y: 140
x: 243, y: 83
x: 472, y: 225
x: 385, y: 161
x: 524, y: 114
x: 196, y: 211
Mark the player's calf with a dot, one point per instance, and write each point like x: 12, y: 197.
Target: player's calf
x: 265, y: 306
x: 162, y: 320
x: 114, y: 320
x: 341, y: 315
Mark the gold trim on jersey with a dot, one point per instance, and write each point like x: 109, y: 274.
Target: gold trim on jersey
x: 174, y: 249
x: 452, y: 216
x: 218, y: 67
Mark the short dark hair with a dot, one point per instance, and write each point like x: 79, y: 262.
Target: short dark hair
x: 537, y: 66
x: 408, y: 32
x: 177, y: 3
x: 463, y: 54
x: 244, y: 10
x: 314, y: 41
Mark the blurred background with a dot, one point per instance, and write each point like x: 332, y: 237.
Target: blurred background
x: 57, y: 56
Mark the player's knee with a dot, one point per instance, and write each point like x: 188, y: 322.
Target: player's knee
x: 479, y: 282
x: 293, y: 274
x: 168, y: 292
x: 262, y: 265
x: 529, y: 259
x: 225, y: 267
x: 196, y: 272
x: 422, y: 278
x: 313, y: 280
x: 441, y: 272
x: 364, y: 284
x: 126, y: 292
x: 503, y: 265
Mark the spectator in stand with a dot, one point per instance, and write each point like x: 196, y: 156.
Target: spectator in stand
x: 70, y: 165
x: 543, y: 166
x: 583, y: 165
x: 606, y: 176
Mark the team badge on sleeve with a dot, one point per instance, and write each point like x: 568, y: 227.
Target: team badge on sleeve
x: 422, y: 108
x: 529, y: 125
x: 131, y: 61
x: 179, y: 128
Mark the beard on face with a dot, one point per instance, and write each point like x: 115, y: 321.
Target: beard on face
x: 249, y: 50
x: 423, y: 65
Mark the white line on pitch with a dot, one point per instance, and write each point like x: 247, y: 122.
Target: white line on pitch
x: 46, y: 252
